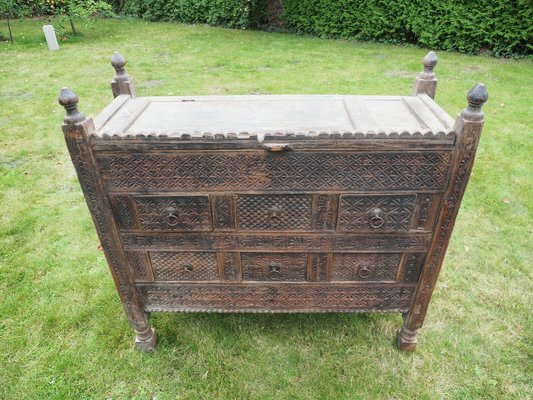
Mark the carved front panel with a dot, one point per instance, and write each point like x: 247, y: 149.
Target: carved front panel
x: 178, y: 266
x: 274, y: 266
x: 274, y: 212
x: 140, y: 265
x: 412, y: 267
x: 173, y: 213
x: 296, y: 170
x: 365, y: 267
x: 284, y: 297
x: 375, y: 213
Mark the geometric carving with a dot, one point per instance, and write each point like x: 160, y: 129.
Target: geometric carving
x: 426, y: 211
x: 260, y: 242
x: 173, y: 213
x: 274, y: 266
x: 141, y: 266
x: 222, y: 211
x: 123, y: 212
x: 326, y: 211
x: 365, y: 267
x: 230, y: 266
x: 274, y: 212
x: 285, y: 297
x: 216, y: 171
x: 375, y: 213
x: 184, y: 266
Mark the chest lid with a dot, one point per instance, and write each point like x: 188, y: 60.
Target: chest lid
x: 252, y: 116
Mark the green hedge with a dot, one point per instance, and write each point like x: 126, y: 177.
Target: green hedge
x: 502, y: 27
x: 239, y: 14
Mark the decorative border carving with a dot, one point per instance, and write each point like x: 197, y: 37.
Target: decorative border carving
x: 272, y: 298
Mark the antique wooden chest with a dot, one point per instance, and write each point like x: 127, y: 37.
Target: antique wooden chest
x: 274, y: 203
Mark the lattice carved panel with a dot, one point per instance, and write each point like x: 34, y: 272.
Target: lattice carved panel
x: 375, y: 213
x: 174, y: 213
x: 274, y: 266
x: 274, y: 212
x: 365, y: 267
x: 184, y: 266
x: 291, y: 171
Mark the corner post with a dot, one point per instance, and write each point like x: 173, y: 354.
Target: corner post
x: 468, y: 125
x: 77, y: 130
x: 425, y: 82
x: 122, y: 83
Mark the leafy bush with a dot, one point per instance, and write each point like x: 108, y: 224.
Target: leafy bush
x: 238, y: 14
x: 502, y: 27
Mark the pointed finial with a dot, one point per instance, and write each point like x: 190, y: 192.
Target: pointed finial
x: 119, y: 63
x: 429, y: 61
x: 476, y: 97
x: 122, y: 83
x: 68, y: 99
x: 425, y: 82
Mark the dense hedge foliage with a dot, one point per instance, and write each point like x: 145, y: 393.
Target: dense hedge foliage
x: 238, y: 14
x: 503, y: 27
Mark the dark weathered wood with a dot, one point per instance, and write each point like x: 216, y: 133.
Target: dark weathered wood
x: 469, y: 125
x: 77, y: 128
x: 122, y: 83
x: 425, y: 82
x: 274, y: 203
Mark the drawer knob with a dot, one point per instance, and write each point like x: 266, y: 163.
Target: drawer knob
x: 172, y: 216
x: 186, y: 267
x: 375, y: 218
x: 274, y: 271
x: 274, y: 216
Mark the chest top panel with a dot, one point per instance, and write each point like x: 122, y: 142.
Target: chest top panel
x: 280, y: 115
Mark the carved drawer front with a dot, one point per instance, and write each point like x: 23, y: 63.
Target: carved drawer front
x: 190, y: 213
x: 375, y: 213
x: 274, y: 266
x: 169, y: 266
x: 365, y: 267
x: 274, y: 212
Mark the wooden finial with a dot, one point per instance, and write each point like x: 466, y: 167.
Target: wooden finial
x: 476, y: 97
x: 122, y: 83
x: 119, y: 63
x: 68, y: 99
x: 425, y: 81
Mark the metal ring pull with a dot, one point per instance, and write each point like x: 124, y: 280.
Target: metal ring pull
x: 274, y: 271
x: 172, y: 216
x: 375, y: 218
x: 186, y: 267
x: 274, y: 216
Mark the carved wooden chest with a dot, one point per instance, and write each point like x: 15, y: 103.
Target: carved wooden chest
x: 274, y: 203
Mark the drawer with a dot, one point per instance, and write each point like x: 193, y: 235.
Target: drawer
x: 274, y: 266
x: 274, y: 212
x: 178, y: 266
x: 375, y: 213
x: 163, y: 213
x: 365, y: 267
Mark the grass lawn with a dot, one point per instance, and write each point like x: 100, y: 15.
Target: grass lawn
x: 63, y: 333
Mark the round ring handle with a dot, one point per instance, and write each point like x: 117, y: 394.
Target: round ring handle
x: 274, y: 216
x: 375, y: 218
x: 172, y: 216
x: 274, y: 271
x: 364, y: 272
x: 186, y: 267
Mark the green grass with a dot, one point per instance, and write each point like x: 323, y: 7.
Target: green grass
x: 63, y: 333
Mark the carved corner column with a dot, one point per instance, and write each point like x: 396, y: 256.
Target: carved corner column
x: 77, y: 128
x: 468, y: 126
x: 122, y: 83
x: 425, y: 82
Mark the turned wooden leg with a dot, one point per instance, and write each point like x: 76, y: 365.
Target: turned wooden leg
x: 145, y: 340
x: 405, y: 337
